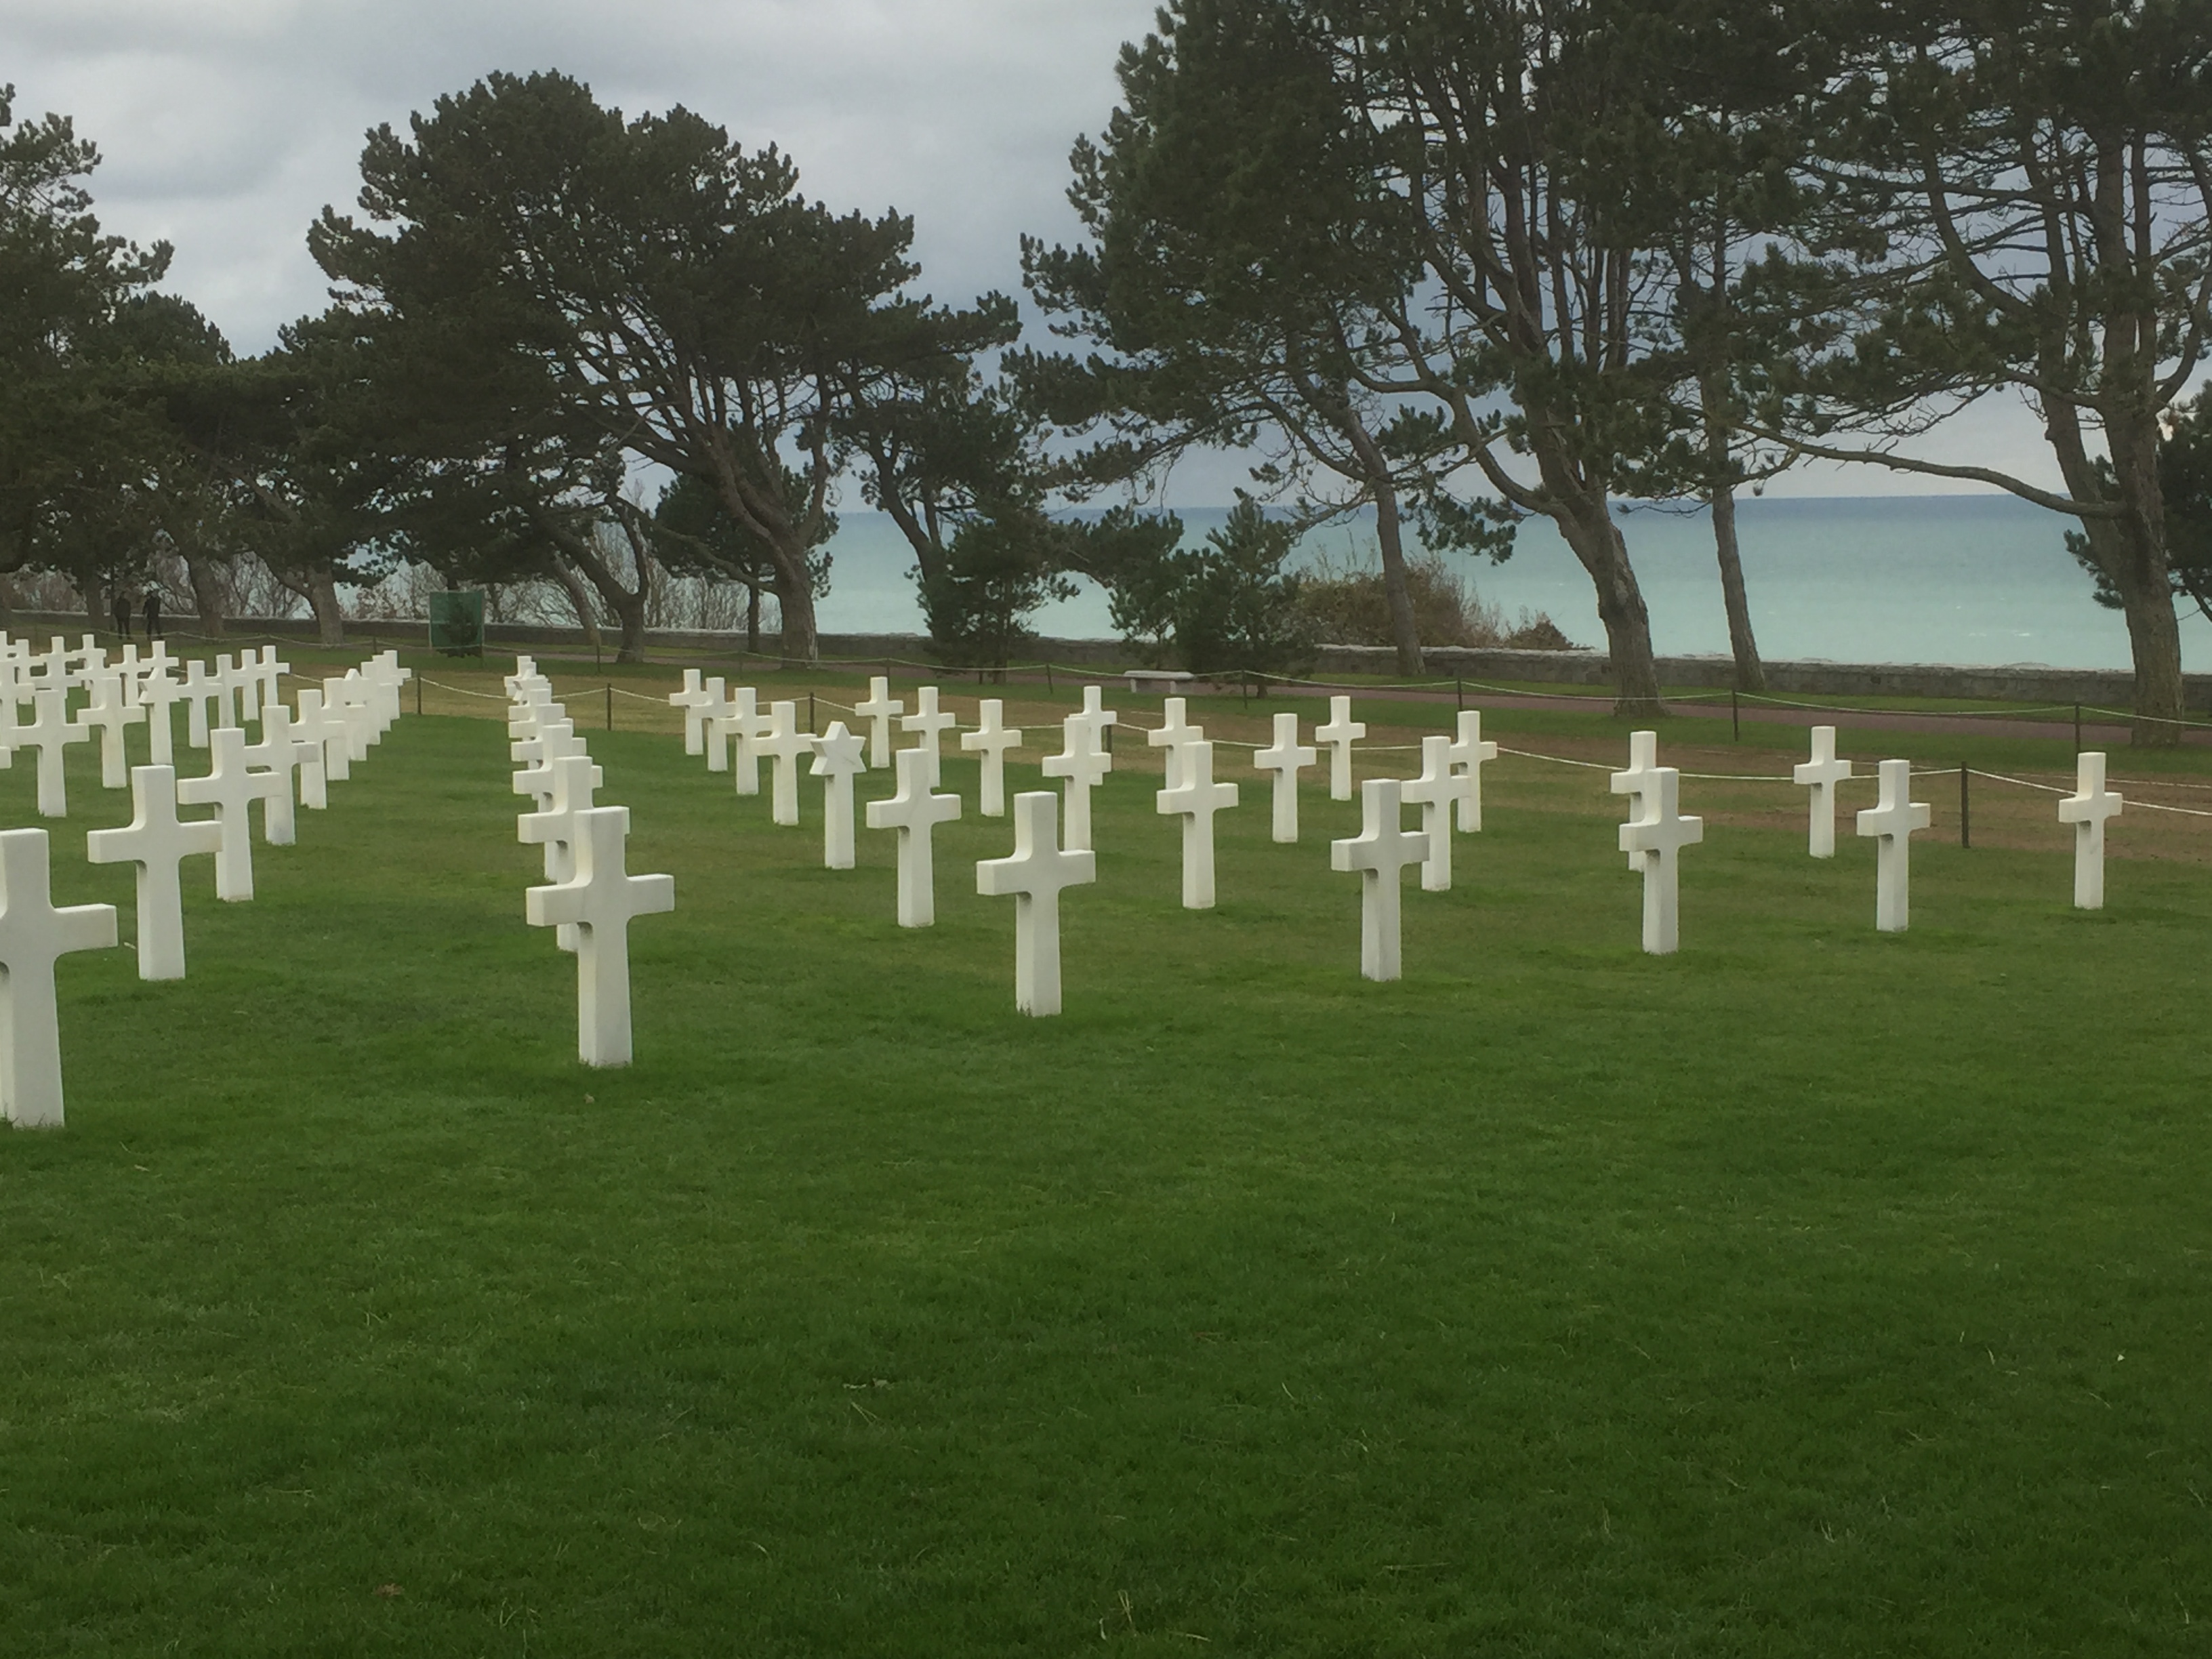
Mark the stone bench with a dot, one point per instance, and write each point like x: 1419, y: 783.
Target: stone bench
x: 1157, y: 679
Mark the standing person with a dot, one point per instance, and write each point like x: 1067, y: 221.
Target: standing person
x: 121, y: 613
x: 153, y: 613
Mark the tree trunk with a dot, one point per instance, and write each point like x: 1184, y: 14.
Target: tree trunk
x: 1405, y: 631
x: 799, y: 646
x: 94, y: 592
x: 1596, y: 541
x: 1389, y: 540
x: 323, y: 599
x: 2131, y: 552
x: 752, y: 618
x: 586, y: 618
x: 629, y: 607
x: 630, y: 613
x: 1750, y: 672
x: 2154, y: 643
x: 207, y: 595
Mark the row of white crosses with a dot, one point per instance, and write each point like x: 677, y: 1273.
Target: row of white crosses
x: 1657, y: 829
x: 33, y: 934
x: 589, y: 898
x: 1896, y: 815
x: 1449, y: 784
x: 135, y: 691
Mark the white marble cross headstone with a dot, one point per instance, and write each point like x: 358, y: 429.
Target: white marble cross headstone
x: 1287, y: 759
x: 334, y: 732
x: 993, y: 737
x: 531, y: 749
x: 53, y: 664
x: 931, y: 723
x: 1379, y: 852
x: 715, y: 716
x: 839, y: 756
x: 1339, y: 734
x: 1084, y: 765
x: 159, y: 692
x: 1434, y: 791
x: 155, y: 839
x: 279, y: 753
x: 692, y: 700
x: 33, y: 933
x: 526, y: 669
x: 745, y: 726
x: 599, y: 901
x: 2086, y: 809
x: 785, y: 746
x: 877, y: 708
x: 247, y: 681
x: 541, y: 780
x: 200, y: 689
x: 524, y: 717
x: 1195, y: 797
x: 270, y: 679
x: 1096, y: 717
x: 573, y: 779
x: 312, y: 726
x: 1637, y: 781
x: 382, y: 672
x: 231, y: 788
x: 110, y: 712
x: 1035, y: 874
x: 1652, y: 840
x: 914, y: 813
x: 50, y: 733
x: 353, y: 699
x: 1176, y: 735
x: 1468, y: 753
x: 1822, y: 774
x: 225, y: 690
x: 1892, y: 821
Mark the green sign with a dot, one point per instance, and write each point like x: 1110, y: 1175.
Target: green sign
x: 457, y: 623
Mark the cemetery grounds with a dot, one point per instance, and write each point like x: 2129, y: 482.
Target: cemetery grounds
x: 1812, y: 1291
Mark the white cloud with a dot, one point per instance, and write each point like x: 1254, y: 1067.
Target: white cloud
x: 227, y: 124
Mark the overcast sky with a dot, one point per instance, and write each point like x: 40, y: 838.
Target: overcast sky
x: 226, y: 125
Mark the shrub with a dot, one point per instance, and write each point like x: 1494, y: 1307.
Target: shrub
x: 1346, y: 603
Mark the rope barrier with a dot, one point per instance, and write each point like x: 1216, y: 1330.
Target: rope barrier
x: 1925, y: 714
x: 464, y: 691
x: 2154, y: 719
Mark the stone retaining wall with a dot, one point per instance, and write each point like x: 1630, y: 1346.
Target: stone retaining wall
x: 2021, y: 682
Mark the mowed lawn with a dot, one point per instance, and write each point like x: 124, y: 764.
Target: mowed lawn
x: 1813, y: 1292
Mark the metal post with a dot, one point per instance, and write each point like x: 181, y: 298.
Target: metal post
x: 1460, y: 687
x: 1736, y: 716
x: 610, y: 706
x: 2077, y: 728
x: 418, y: 693
x: 810, y: 711
x: 1047, y: 677
x: 1965, y: 808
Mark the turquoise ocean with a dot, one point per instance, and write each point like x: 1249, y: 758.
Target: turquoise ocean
x: 1944, y: 579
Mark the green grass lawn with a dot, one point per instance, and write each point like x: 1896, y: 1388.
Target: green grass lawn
x: 1814, y: 1291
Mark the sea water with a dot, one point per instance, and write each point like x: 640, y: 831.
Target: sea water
x: 1896, y: 579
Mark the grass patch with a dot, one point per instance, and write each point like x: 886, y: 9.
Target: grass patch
x: 1814, y: 1291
